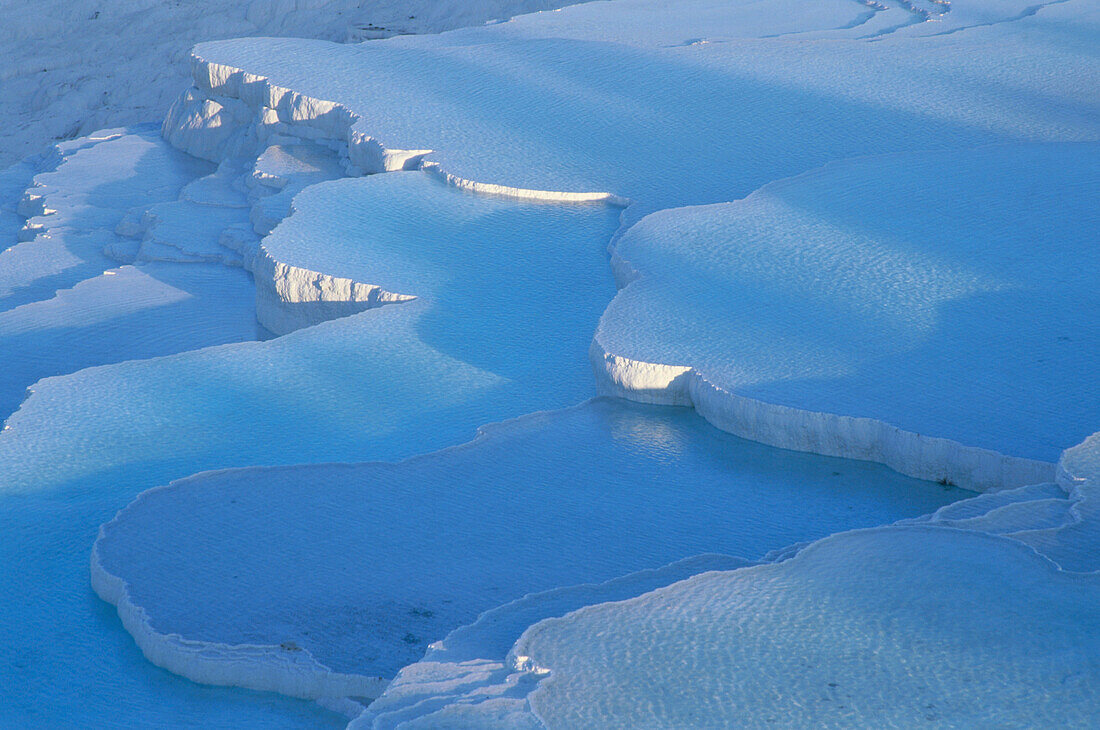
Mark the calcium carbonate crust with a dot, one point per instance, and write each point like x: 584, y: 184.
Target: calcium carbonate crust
x: 867, y: 439
x: 230, y: 111
x: 234, y: 97
x: 287, y: 669
x: 225, y: 114
x: 229, y: 108
x: 290, y: 297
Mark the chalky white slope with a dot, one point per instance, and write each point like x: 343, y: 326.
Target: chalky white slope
x: 64, y: 72
x: 127, y: 313
x: 74, y: 205
x: 384, y: 384
x: 117, y: 197
x: 538, y: 107
x: 14, y: 181
x: 323, y: 581
x: 666, y: 106
x: 387, y: 384
x: 946, y: 294
x: 645, y: 111
x: 68, y: 306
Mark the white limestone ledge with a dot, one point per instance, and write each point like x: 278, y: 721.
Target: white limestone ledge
x: 229, y: 109
x: 287, y: 669
x: 866, y: 439
x: 290, y: 298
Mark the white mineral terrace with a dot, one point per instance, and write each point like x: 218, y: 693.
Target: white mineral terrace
x: 633, y: 364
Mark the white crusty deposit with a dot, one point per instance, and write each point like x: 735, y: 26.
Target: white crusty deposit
x: 64, y: 75
x: 406, y: 235
x: 918, y: 622
x: 655, y: 148
x: 358, y: 568
x: 863, y: 316
x: 644, y: 115
x: 895, y: 626
x: 899, y: 309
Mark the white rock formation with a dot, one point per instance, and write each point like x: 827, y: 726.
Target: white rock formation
x: 323, y: 581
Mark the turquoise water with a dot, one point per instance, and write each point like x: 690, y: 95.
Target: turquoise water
x: 384, y: 384
x: 509, y: 295
x: 366, y: 565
